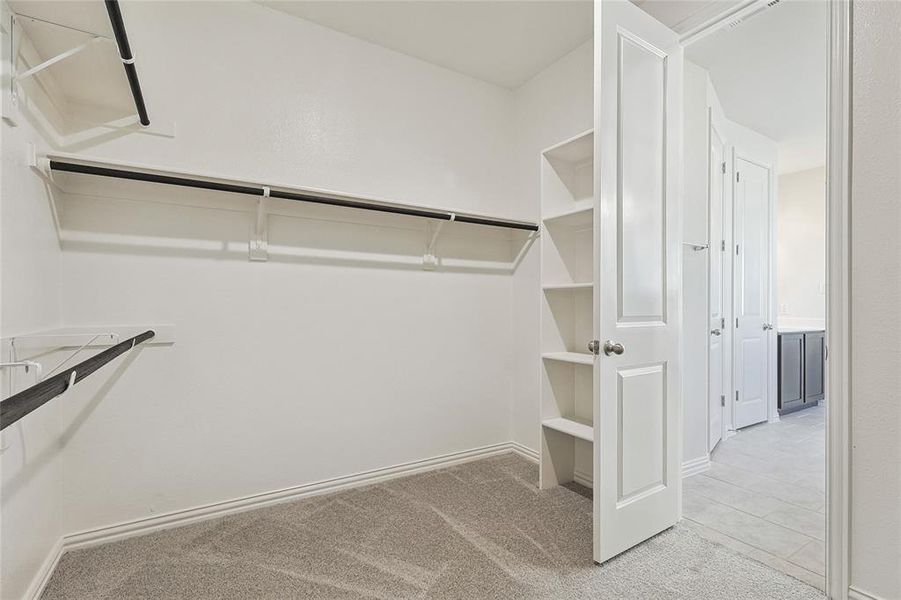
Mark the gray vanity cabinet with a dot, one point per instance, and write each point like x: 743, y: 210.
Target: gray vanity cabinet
x: 802, y: 370
x: 814, y: 366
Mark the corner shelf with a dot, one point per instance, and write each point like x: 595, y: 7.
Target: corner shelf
x: 571, y: 427
x: 577, y: 358
x: 568, y: 272
x: 577, y: 217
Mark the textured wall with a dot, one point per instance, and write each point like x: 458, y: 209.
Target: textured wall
x: 875, y: 301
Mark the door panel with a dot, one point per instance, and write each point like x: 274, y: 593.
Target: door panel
x: 716, y: 236
x: 638, y: 66
x: 791, y: 363
x: 814, y: 352
x: 751, y: 230
x: 642, y: 429
x: 640, y: 203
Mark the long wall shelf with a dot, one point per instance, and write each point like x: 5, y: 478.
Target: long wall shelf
x: 75, y: 164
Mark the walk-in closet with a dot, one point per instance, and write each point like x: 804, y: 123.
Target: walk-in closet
x: 309, y: 299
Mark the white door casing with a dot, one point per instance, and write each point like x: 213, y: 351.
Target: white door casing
x: 751, y: 228
x: 717, y: 318
x: 637, y: 446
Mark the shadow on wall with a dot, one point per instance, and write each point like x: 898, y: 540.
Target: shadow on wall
x: 30, y: 465
x: 140, y: 218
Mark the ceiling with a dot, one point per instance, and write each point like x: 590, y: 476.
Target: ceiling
x: 770, y: 75
x: 684, y: 15
x: 502, y: 42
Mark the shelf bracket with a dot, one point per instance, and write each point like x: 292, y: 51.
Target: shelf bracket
x: 429, y: 260
x: 17, y: 77
x: 258, y: 250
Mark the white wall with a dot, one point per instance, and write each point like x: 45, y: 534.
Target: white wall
x: 801, y: 248
x: 30, y: 490
x: 303, y: 368
x: 333, y: 358
x: 694, y: 342
x: 875, y: 297
x: 555, y: 105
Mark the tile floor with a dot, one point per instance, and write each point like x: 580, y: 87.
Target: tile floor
x: 764, y: 494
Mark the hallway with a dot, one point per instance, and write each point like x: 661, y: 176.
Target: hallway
x: 764, y: 494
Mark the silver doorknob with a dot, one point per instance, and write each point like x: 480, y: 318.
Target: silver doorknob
x: 767, y: 326
x: 594, y: 346
x: 716, y: 332
x: 611, y: 347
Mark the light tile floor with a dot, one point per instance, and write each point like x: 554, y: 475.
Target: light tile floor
x: 764, y: 494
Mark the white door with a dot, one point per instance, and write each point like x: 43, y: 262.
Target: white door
x: 638, y: 90
x: 717, y: 237
x: 751, y: 230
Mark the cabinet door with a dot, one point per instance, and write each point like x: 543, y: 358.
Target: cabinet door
x: 791, y: 370
x: 814, y: 355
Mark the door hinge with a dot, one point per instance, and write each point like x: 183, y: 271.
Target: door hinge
x: 723, y: 400
x: 737, y: 176
x: 736, y: 249
x: 723, y: 323
x: 722, y: 245
x: 736, y: 395
x: 724, y: 166
x: 736, y: 322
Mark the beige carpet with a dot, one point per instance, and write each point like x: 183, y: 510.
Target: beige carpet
x: 481, y: 530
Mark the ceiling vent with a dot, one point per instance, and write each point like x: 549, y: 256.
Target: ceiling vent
x: 739, y: 20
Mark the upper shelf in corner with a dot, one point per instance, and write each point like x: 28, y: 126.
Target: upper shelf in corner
x: 69, y: 73
x: 574, y: 150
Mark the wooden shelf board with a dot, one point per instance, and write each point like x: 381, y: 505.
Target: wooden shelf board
x: 571, y: 427
x: 572, y: 218
x: 568, y: 286
x: 579, y: 358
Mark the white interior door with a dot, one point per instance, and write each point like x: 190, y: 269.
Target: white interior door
x: 717, y: 237
x: 751, y: 230
x: 638, y: 91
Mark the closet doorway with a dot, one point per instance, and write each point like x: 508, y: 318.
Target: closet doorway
x: 755, y: 154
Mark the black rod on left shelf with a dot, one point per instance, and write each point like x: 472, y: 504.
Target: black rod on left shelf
x: 258, y: 190
x: 128, y: 59
x: 30, y: 399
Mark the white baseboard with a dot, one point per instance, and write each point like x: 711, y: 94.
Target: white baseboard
x: 120, y: 531
x: 42, y: 577
x: 858, y: 594
x: 147, y: 525
x: 695, y: 466
x: 524, y: 451
x: 583, y: 478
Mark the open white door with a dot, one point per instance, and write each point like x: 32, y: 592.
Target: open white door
x: 717, y: 236
x: 638, y: 81
x: 751, y: 231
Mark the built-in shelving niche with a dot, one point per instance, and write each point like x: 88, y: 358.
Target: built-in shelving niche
x: 567, y: 312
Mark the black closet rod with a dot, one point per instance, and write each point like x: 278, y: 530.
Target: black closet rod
x: 128, y: 59
x: 57, y: 165
x: 17, y: 406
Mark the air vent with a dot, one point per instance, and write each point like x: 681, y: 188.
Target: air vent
x: 738, y: 21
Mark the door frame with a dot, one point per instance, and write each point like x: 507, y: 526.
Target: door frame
x: 838, y: 303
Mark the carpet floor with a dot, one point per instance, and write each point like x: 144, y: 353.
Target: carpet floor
x: 481, y: 530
